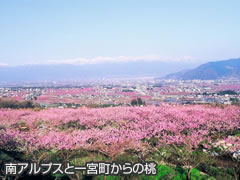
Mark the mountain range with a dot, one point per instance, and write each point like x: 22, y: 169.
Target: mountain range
x: 210, y: 71
x: 66, y: 72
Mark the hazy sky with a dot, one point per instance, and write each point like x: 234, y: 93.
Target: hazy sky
x: 82, y: 31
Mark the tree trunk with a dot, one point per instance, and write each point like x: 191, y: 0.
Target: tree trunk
x: 188, y: 174
x: 235, y: 175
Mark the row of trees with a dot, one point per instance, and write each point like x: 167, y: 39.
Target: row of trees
x: 14, y: 104
x: 189, y: 137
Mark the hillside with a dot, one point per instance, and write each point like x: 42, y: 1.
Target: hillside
x: 210, y: 71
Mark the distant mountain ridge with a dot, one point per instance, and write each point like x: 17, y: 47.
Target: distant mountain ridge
x: 65, y: 72
x: 68, y: 72
x: 211, y: 71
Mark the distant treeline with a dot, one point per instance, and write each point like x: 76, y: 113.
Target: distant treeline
x: 230, y: 92
x: 221, y: 93
x: 14, y: 104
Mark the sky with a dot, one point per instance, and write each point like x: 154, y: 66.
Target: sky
x: 103, y: 31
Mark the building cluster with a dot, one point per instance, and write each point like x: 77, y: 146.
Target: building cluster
x: 112, y: 93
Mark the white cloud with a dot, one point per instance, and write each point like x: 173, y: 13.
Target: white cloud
x: 116, y: 59
x: 3, y: 64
